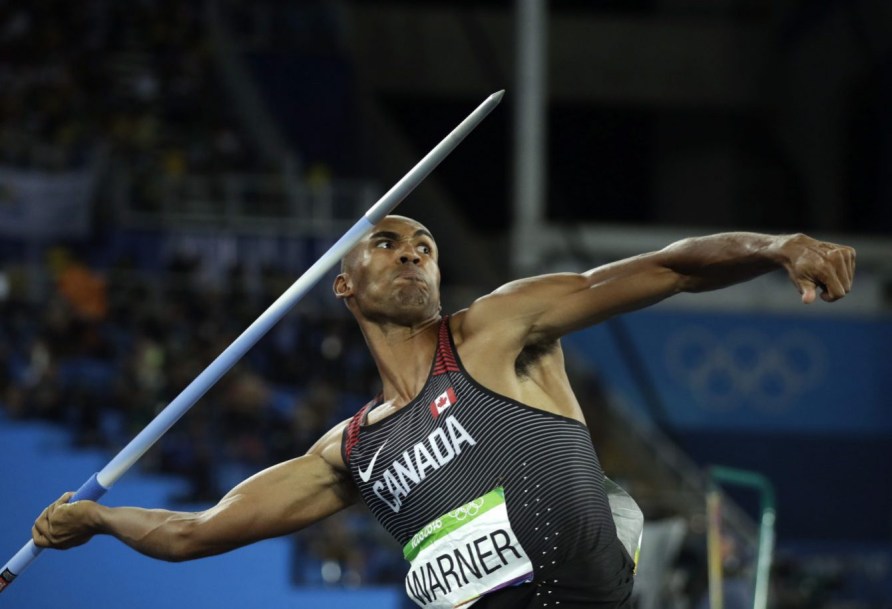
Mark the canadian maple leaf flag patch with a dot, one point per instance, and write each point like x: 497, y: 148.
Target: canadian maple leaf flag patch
x: 443, y: 401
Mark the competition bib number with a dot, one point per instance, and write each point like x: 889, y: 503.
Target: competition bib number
x: 465, y: 554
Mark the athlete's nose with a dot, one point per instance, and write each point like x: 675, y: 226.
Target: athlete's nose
x: 408, y: 254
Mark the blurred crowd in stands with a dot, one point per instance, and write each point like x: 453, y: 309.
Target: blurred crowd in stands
x: 103, y: 79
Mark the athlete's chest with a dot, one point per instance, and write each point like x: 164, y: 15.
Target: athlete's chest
x: 399, y: 454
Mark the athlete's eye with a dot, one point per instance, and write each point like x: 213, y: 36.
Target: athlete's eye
x: 385, y: 244
x: 425, y: 249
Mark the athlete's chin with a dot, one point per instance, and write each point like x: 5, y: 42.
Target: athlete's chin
x: 408, y: 305
x: 414, y: 310
x: 409, y: 314
x: 414, y: 297
x: 414, y: 315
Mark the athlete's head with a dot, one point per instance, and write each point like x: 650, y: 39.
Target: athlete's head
x: 392, y: 274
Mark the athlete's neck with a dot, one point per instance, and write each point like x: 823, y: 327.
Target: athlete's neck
x: 403, y: 355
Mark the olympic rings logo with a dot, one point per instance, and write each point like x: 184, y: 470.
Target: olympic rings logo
x: 745, y: 367
x: 469, y: 510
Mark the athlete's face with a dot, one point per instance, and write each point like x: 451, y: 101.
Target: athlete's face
x: 393, y: 274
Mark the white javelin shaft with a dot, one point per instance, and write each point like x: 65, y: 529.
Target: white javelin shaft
x: 100, y: 482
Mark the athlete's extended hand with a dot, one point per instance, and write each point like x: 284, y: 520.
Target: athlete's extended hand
x: 813, y: 265
x: 63, y: 525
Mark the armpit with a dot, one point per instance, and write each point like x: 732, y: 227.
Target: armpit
x: 531, y: 354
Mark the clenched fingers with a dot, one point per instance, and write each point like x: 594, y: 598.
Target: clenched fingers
x: 834, y: 286
x: 841, y: 271
x: 820, y: 265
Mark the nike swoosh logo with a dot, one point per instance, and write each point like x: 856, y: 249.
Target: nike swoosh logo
x: 367, y: 474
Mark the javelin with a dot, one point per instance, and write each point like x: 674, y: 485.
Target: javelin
x: 102, y: 481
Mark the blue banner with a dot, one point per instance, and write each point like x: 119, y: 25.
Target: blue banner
x: 756, y: 372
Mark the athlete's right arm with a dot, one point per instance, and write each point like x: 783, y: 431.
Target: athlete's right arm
x: 279, y: 500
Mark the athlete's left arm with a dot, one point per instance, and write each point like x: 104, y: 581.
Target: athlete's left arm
x: 548, y: 306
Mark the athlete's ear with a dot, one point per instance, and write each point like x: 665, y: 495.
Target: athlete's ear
x: 342, y: 287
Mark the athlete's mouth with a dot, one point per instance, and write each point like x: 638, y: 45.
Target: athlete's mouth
x: 411, y: 275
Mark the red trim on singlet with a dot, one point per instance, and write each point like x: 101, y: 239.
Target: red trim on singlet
x: 352, y: 434
x: 445, y: 357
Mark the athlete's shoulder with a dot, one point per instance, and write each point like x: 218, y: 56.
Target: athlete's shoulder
x: 475, y: 318
x: 490, y: 318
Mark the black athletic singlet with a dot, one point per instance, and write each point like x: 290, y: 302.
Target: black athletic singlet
x: 457, y: 441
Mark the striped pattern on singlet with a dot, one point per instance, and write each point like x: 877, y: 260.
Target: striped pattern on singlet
x: 457, y: 441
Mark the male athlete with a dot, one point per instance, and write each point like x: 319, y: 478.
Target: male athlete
x: 475, y: 455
